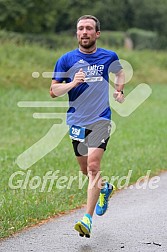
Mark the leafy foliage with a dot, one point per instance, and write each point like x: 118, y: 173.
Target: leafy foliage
x: 40, y: 16
x: 143, y: 39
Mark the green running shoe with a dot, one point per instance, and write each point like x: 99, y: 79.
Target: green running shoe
x: 84, y: 227
x: 105, y: 194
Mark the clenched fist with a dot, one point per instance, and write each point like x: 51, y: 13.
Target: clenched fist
x: 79, y: 77
x: 119, y: 96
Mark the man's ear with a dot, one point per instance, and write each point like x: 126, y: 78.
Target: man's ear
x: 98, y: 34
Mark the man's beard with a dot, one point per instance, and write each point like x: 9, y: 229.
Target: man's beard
x: 87, y: 46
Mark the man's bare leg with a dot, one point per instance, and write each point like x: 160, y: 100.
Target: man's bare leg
x: 82, y: 160
x: 94, y: 186
x: 90, y: 165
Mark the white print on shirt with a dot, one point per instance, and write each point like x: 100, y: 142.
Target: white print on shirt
x: 93, y: 71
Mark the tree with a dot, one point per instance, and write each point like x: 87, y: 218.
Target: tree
x: 27, y: 16
x: 39, y: 16
x: 114, y: 14
x: 150, y: 15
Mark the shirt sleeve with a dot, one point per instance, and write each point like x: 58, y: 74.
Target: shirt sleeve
x: 115, y: 65
x: 60, y: 70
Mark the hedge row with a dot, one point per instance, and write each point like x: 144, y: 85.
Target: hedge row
x: 146, y: 39
x: 134, y: 39
x: 112, y: 38
x: 137, y: 39
x: 47, y: 40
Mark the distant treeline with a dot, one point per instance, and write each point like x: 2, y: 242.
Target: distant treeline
x: 55, y: 16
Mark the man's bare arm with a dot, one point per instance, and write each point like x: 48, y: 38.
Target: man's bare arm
x: 119, y: 86
x: 58, y: 89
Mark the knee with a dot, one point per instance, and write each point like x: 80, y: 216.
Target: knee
x: 93, y: 168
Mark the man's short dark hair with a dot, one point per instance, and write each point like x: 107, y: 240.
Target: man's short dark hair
x: 91, y: 17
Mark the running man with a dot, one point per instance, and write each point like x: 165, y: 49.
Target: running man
x: 84, y: 74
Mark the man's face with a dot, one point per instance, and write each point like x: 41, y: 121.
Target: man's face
x: 86, y: 33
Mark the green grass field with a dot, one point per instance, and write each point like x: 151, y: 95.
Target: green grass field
x: 138, y: 144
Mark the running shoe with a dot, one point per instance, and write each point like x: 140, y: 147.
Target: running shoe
x: 84, y: 227
x: 104, y: 196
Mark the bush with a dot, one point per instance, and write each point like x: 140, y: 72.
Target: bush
x: 66, y: 39
x: 112, y: 38
x: 162, y: 42
x: 143, y: 39
x: 48, y: 40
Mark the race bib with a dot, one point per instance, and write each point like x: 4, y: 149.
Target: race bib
x: 77, y: 133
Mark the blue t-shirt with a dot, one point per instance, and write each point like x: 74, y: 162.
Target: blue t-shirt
x: 89, y: 101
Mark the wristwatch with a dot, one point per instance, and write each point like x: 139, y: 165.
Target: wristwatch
x: 121, y: 91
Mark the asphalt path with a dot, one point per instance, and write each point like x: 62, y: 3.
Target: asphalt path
x: 136, y: 221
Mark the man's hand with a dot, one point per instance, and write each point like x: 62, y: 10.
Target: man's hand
x: 79, y: 77
x: 118, y: 96
x: 58, y: 89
